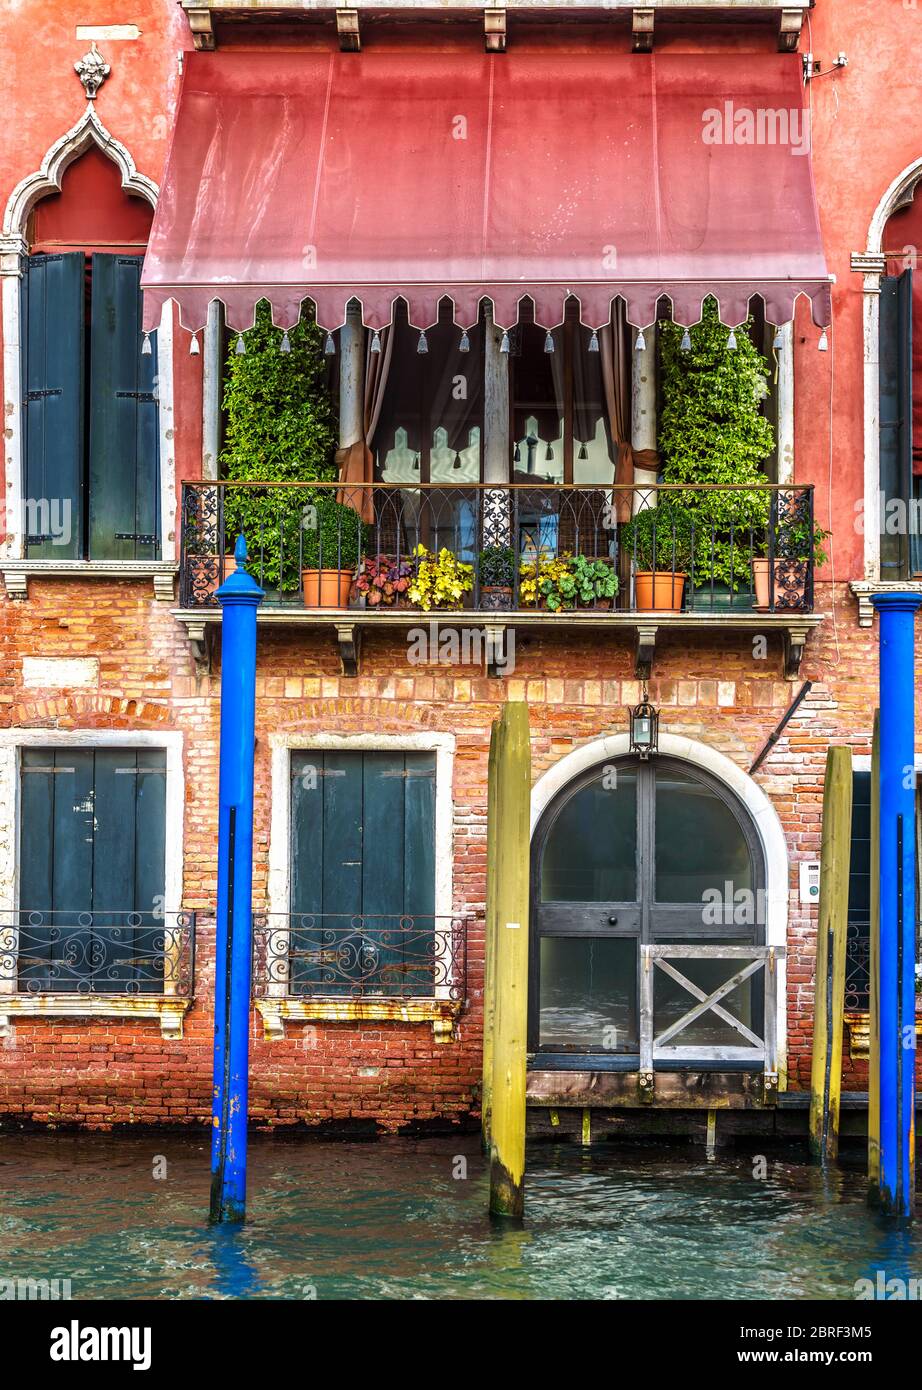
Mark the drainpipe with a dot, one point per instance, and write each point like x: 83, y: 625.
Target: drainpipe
x: 239, y: 598
x: 897, y: 949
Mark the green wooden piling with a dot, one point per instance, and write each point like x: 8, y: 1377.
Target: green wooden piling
x: 489, y: 945
x: 829, y: 985
x: 510, y: 980
x: 874, y: 977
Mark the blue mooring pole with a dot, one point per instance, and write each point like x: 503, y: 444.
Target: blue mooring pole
x: 897, y: 953
x: 239, y: 597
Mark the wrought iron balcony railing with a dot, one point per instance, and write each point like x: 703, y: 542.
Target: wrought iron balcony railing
x: 523, y: 548
x: 323, y: 955
x: 97, y: 953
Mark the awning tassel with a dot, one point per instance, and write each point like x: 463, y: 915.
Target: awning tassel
x: 145, y: 346
x: 549, y: 342
x: 517, y: 454
x: 731, y: 341
x: 375, y: 342
x: 422, y: 345
x: 583, y: 453
x: 823, y: 344
x: 465, y: 343
x: 329, y: 346
x: 504, y: 345
x: 685, y: 345
x: 194, y: 349
x: 241, y: 347
x: 594, y: 342
x: 549, y: 455
x: 285, y: 344
x: 640, y: 342
x: 778, y: 340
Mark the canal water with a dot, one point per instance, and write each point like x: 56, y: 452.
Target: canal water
x: 124, y: 1217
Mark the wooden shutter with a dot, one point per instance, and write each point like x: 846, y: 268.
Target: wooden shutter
x: 124, y: 431
x: 92, y: 830
x: 363, y: 847
x: 53, y: 413
x: 895, y: 374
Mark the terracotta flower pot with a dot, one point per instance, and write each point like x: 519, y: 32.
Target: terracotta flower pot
x: 658, y: 591
x: 495, y: 597
x: 787, y: 595
x: 326, y: 588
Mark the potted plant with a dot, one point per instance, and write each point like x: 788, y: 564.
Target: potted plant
x: 712, y: 431
x: 383, y: 581
x: 546, y: 583
x: 441, y: 581
x: 496, y: 569
x: 595, y: 580
x: 333, y: 541
x: 659, y: 541
x: 279, y: 429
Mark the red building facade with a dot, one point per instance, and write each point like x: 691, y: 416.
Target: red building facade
x: 110, y: 678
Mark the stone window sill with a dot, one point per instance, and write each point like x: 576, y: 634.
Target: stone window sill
x: 864, y: 590
x: 170, y: 1009
x: 162, y: 573
x: 441, y: 1013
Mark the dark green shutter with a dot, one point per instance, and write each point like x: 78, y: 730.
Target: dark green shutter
x: 362, y: 866
x: 92, y: 830
x: 124, y: 439
x: 53, y: 419
x: 895, y: 373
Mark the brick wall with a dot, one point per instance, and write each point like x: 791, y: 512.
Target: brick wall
x: 391, y: 1075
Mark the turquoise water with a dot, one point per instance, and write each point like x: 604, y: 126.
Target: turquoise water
x: 392, y: 1220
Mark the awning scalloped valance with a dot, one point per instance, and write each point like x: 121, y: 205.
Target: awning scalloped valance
x: 417, y: 174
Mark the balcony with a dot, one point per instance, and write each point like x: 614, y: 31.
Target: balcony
x: 642, y: 558
x: 347, y: 967
x: 97, y: 964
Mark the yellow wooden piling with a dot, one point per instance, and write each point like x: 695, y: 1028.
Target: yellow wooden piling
x: 489, y: 945
x: 510, y: 980
x: 829, y: 984
x: 873, y: 976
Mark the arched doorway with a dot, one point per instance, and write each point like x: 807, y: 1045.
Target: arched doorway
x: 626, y: 853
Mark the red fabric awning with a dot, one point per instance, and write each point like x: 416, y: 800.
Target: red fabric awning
x: 420, y: 174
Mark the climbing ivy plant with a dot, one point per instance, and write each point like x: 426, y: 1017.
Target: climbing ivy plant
x: 712, y: 431
x: 279, y: 428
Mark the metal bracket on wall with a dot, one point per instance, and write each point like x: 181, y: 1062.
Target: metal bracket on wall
x: 349, y: 638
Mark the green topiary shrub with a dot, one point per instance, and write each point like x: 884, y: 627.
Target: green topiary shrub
x: 279, y: 428
x: 712, y: 431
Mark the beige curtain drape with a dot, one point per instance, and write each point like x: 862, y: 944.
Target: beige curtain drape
x: 615, y: 357
x: 356, y: 461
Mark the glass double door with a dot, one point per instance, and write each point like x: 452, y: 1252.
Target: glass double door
x: 634, y: 852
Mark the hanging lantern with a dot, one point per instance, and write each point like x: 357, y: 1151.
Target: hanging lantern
x: 594, y: 342
x: 194, y: 349
x: 285, y: 344
x: 329, y: 346
x: 685, y: 345
x: 375, y: 342
x: 823, y: 344
x: 731, y: 341
x: 644, y: 728
x: 145, y: 346
x: 422, y: 345
x: 465, y: 343
x: 241, y: 347
x: 640, y: 342
x: 549, y: 341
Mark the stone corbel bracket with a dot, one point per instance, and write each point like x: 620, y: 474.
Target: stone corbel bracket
x: 349, y: 638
